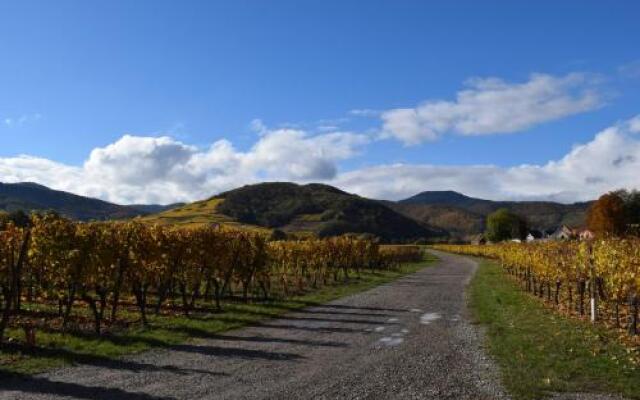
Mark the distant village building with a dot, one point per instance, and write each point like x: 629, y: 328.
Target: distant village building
x: 566, y: 233
x: 586, y: 234
x: 479, y: 239
x: 563, y: 233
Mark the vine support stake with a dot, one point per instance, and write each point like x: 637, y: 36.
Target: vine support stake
x: 592, y: 287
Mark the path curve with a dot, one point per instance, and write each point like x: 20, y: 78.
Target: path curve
x: 409, y: 339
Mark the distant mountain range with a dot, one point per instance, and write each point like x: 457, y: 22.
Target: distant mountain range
x: 308, y: 209
x: 28, y: 196
x: 462, y: 215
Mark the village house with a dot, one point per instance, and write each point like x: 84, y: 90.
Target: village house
x: 586, y: 234
x: 479, y: 239
x: 563, y: 233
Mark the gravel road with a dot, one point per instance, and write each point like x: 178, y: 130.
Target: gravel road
x: 410, y: 339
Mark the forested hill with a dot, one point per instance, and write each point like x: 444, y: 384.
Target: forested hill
x: 319, y: 209
x: 27, y: 196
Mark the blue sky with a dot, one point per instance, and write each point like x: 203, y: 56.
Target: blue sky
x: 78, y: 75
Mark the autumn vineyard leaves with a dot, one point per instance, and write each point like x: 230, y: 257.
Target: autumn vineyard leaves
x: 568, y: 274
x: 113, y: 268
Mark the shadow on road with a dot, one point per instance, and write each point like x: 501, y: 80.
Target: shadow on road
x: 347, y: 313
x: 343, y: 307
x: 268, y: 339
x: 29, y: 384
x: 325, y: 329
x: 238, y: 353
x: 72, y: 357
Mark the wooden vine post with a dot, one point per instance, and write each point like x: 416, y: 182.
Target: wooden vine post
x: 633, y: 314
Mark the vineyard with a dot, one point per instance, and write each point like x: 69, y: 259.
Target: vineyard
x: 599, y: 278
x: 91, y: 274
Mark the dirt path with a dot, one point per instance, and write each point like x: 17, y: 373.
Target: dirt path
x: 409, y: 339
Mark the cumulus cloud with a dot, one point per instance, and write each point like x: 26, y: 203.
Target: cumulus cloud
x: 138, y: 169
x: 608, y: 162
x: 134, y: 160
x: 492, y: 106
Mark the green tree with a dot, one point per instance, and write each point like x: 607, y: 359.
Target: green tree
x: 19, y: 218
x: 4, y: 219
x: 504, y: 225
x: 631, y: 200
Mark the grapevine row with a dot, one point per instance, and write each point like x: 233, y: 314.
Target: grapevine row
x: 107, y: 266
x: 568, y: 273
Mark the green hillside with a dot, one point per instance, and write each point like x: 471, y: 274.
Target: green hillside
x: 312, y: 209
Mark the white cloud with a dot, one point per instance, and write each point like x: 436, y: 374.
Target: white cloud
x: 135, y: 160
x: 492, y: 105
x: 14, y: 122
x: 291, y: 154
x: 327, y: 128
x: 138, y: 169
x: 608, y: 162
x: 258, y: 126
x: 364, y: 112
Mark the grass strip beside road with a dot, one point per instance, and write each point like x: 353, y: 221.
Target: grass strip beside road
x: 57, y: 349
x: 539, y: 351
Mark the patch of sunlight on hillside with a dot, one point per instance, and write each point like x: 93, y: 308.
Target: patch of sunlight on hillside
x: 196, y: 214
